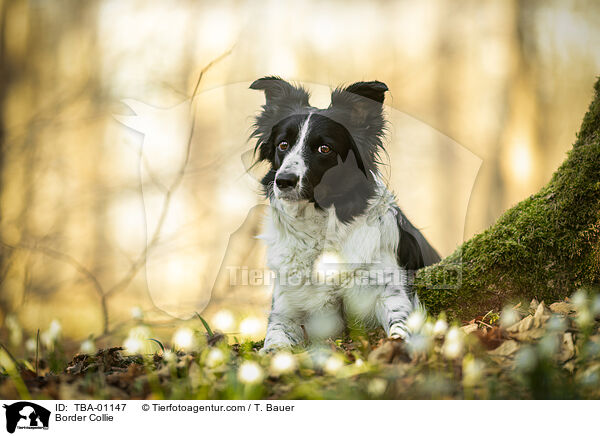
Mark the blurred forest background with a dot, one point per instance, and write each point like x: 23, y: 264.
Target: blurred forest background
x: 93, y: 242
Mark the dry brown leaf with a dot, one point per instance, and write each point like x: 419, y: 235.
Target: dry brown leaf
x: 562, y: 308
x: 469, y: 328
x: 567, y: 348
x: 521, y: 326
x: 490, y: 338
x: 528, y: 335
x: 508, y: 348
x: 533, y: 305
x: 542, y: 314
x: 532, y: 326
x: 390, y: 351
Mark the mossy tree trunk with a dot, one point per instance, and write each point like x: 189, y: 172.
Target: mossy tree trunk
x: 546, y: 247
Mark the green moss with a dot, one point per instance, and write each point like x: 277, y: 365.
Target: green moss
x: 545, y: 247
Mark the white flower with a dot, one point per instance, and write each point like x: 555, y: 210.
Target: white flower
x: 283, y: 362
x: 584, y: 317
x: 525, y: 360
x: 508, y: 317
x: 12, y: 322
x: 427, y: 329
x: 47, y: 340
x: 453, y: 344
x: 579, y: 299
x: 87, y: 346
x: 133, y: 345
x: 592, y: 349
x: 250, y: 373
x: 556, y: 323
x: 30, y: 345
x: 16, y: 333
x: 548, y: 346
x: 169, y: 356
x: 454, y: 334
x: 452, y: 350
x: 223, y: 320
x: 418, y: 343
x: 377, y: 387
x: 415, y: 321
x: 137, y: 313
x: 440, y: 327
x: 590, y: 377
x: 137, y: 340
x: 184, y: 338
x: 251, y: 327
x: 215, y: 358
x: 333, y: 364
x: 472, y: 370
x: 54, y: 330
x: 318, y: 355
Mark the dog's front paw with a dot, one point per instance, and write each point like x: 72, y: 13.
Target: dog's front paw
x: 398, y: 331
x: 273, y: 347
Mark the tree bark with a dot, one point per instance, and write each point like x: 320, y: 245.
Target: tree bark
x: 545, y: 247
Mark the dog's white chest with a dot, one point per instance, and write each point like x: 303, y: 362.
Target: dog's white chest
x: 314, y: 255
x: 295, y: 242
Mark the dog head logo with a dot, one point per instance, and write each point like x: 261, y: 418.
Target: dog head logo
x: 26, y: 415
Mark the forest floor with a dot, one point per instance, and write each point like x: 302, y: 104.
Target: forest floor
x: 529, y: 351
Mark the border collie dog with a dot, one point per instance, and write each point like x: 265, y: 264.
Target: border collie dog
x: 336, y: 239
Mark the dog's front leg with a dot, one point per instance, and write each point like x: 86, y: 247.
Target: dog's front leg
x: 284, y: 329
x: 282, y: 332
x: 392, y: 310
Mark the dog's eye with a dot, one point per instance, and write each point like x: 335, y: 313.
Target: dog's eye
x: 283, y: 146
x: 324, y: 149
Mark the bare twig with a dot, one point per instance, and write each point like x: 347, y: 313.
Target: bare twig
x: 69, y: 260
x: 37, y: 347
x: 485, y: 324
x: 208, y: 67
x: 9, y: 354
x: 123, y: 324
x: 139, y: 262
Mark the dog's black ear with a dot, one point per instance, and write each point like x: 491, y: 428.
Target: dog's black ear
x: 362, y: 101
x: 282, y: 100
x: 278, y: 90
x: 359, y: 108
x: 374, y: 90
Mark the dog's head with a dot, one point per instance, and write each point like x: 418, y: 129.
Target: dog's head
x: 326, y: 156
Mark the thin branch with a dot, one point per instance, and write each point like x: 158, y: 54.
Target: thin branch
x: 137, y: 265
x: 139, y: 262
x: 208, y: 67
x: 37, y: 349
x: 50, y: 252
x: 69, y: 260
x: 127, y: 322
x: 9, y: 354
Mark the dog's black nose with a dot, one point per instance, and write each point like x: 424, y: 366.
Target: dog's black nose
x: 286, y: 180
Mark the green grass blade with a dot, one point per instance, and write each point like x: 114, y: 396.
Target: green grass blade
x: 162, y: 347
x: 206, y: 326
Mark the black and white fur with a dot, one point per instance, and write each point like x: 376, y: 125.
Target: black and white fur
x: 327, y: 198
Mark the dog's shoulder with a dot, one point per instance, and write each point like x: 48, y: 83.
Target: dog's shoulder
x: 412, y: 249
